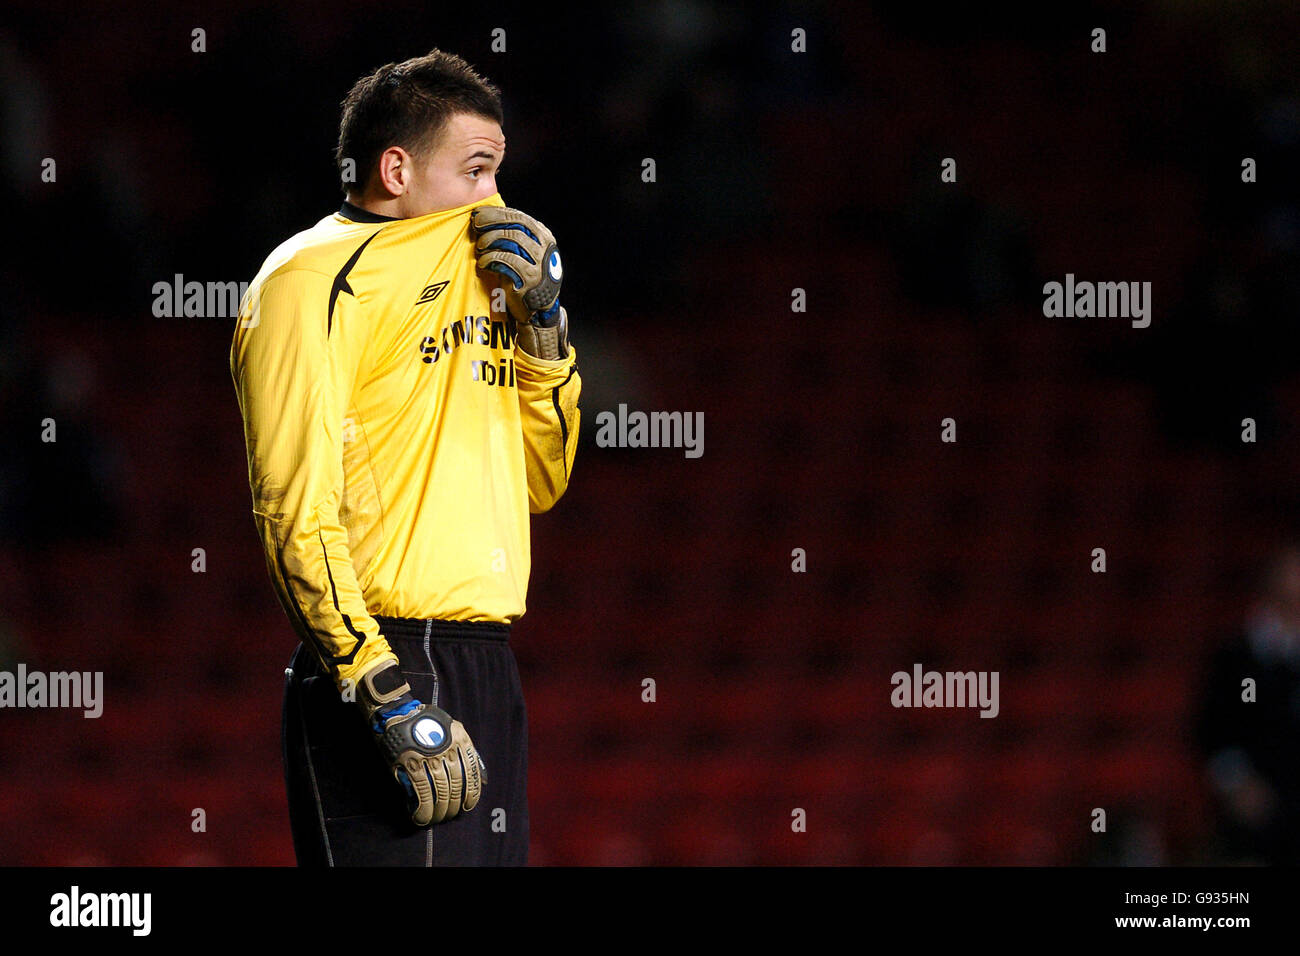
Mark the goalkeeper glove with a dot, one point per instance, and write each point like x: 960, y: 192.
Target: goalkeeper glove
x: 431, y: 754
x: 523, y: 250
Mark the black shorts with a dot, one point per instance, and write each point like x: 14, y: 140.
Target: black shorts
x: 345, y: 808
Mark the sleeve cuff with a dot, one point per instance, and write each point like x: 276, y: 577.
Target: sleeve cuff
x: 541, y: 368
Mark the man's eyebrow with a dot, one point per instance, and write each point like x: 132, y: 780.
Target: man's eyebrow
x: 482, y: 154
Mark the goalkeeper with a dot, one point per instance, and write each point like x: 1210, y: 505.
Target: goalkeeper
x: 409, y: 397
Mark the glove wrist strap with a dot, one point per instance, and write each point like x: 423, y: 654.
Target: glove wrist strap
x: 549, y: 343
x: 381, y: 686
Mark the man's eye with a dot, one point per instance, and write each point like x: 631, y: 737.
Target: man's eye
x: 475, y: 171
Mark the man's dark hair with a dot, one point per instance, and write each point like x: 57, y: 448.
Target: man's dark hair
x: 408, y: 104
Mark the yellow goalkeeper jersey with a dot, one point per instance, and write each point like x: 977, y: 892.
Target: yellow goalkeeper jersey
x: 397, y: 440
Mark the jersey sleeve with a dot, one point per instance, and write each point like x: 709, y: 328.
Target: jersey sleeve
x: 294, y: 361
x: 548, y: 404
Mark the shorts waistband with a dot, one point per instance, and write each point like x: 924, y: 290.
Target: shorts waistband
x: 436, y: 629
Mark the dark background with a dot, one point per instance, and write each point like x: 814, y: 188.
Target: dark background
x: 775, y: 170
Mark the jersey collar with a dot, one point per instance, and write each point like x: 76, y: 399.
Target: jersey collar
x: 357, y: 214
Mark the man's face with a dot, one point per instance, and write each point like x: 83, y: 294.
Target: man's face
x: 460, y: 170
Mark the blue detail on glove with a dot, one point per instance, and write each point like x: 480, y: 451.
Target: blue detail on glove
x: 384, y: 716
x: 510, y: 225
x: 506, y: 271
x: 546, y: 318
x: 509, y: 245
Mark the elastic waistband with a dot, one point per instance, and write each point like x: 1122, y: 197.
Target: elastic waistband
x: 414, y: 628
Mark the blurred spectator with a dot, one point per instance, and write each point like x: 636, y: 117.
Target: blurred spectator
x: 954, y: 248
x: 68, y: 489
x: 1250, y: 746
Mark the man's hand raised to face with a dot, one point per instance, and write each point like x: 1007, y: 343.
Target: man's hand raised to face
x: 523, y: 251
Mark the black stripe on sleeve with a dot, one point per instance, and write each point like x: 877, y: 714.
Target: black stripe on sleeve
x: 341, y: 282
x: 564, y: 426
x: 347, y: 621
x: 307, y: 630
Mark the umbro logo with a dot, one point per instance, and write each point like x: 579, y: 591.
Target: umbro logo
x: 431, y: 292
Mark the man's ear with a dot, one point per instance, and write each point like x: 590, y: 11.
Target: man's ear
x: 393, y: 176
